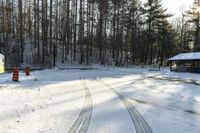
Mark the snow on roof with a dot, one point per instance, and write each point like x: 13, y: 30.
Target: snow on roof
x: 1, y: 56
x: 186, y: 56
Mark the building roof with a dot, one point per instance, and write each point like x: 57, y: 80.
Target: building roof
x: 186, y: 56
x: 1, y: 56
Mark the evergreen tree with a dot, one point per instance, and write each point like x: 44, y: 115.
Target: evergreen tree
x: 153, y: 12
x: 194, y: 15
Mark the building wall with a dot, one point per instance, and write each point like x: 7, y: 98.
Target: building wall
x: 186, y: 66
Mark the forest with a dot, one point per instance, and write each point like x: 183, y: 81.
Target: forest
x: 106, y: 32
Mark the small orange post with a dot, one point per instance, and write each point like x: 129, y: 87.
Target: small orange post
x: 28, y: 71
x: 15, y: 74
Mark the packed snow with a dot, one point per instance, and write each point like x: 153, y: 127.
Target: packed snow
x: 111, y: 100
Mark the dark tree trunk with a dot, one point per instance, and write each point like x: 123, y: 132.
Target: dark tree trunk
x: 21, y: 31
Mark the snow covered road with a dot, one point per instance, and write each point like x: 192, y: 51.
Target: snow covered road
x: 99, y: 101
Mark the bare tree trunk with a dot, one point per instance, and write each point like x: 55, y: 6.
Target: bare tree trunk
x: 63, y: 26
x: 114, y: 34
x: 88, y: 31
x: 68, y: 29
x: 81, y: 31
x: 44, y: 30
x: 92, y: 31
x: 3, y: 30
x: 3, y: 26
x: 75, y: 29
x: 56, y: 34
x: 50, y: 26
x: 21, y: 31
x: 38, y: 30
x: 35, y: 24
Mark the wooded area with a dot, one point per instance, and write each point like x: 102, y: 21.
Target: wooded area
x: 113, y: 32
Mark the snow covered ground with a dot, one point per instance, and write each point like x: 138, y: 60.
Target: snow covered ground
x: 113, y: 100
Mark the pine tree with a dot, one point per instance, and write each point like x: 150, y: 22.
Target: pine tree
x: 153, y: 12
x: 194, y: 14
x: 166, y: 45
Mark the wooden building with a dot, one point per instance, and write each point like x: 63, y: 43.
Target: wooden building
x: 186, y: 62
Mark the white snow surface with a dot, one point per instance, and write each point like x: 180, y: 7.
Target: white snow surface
x: 186, y: 56
x: 50, y: 101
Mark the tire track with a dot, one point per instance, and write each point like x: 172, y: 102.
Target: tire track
x: 82, y: 122
x: 172, y: 79
x: 141, y: 125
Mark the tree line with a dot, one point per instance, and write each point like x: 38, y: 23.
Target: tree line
x: 118, y: 32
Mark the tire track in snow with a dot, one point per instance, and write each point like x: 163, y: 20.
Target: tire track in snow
x: 173, y: 79
x: 82, y: 122
x: 141, y: 125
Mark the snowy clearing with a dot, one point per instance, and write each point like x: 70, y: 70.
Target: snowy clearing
x: 100, y: 101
